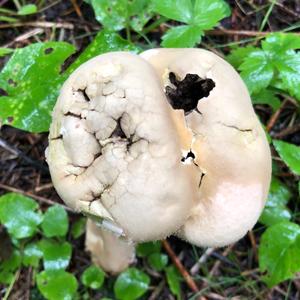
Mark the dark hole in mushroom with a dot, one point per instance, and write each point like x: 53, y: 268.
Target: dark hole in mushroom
x: 48, y: 50
x: 188, y: 92
x: 3, y: 92
x: 85, y: 95
x: 189, y: 154
x: 118, y: 131
x: 11, y: 82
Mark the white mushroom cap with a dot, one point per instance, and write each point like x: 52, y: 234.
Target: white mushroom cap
x: 114, y: 151
x: 116, y: 147
x: 229, y: 145
x: 108, y: 251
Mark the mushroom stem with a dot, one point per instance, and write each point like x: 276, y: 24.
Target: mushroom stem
x: 108, y: 251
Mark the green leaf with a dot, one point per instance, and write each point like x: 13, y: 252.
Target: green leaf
x: 173, y: 279
x: 19, y: 215
x: 32, y: 255
x: 55, y: 255
x: 32, y: 81
x: 207, y: 13
x: 145, y: 249
x: 55, y: 222
x: 131, y: 284
x: 288, y: 66
x: 158, y: 261
x: 57, y: 285
x: 8, y: 267
x: 5, y: 51
x: 93, y: 277
x: 78, y: 228
x: 182, y: 36
x: 290, y: 154
x: 103, y: 42
x: 281, y: 42
x: 27, y: 10
x: 275, y: 210
x: 237, y: 55
x: 257, y: 71
x: 179, y: 10
x: 279, y: 252
x: 266, y: 97
x: 115, y: 14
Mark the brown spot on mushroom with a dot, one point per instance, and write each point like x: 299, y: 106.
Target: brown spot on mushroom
x: 188, y: 92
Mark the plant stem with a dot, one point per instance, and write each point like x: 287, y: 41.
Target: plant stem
x: 11, y: 285
x: 155, y: 24
x: 17, y: 4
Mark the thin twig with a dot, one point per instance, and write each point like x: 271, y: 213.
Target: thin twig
x: 195, y: 268
x: 275, y: 116
x: 287, y: 131
x: 157, y: 291
x: 18, y: 153
x: 187, y: 277
x: 223, y: 31
x: 39, y: 198
x: 253, y: 244
x: 39, y: 24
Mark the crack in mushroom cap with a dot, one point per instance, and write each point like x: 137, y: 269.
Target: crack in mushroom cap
x: 113, y: 149
x: 229, y: 146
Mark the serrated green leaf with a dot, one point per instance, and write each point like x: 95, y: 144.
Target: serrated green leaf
x: 173, y: 279
x: 56, y: 255
x: 275, y: 210
x: 145, y: 249
x: 256, y: 71
x: 5, y: 51
x: 131, y: 284
x: 288, y: 65
x: 31, y: 79
x: 78, y: 228
x: 57, y: 285
x: 27, y: 10
x: 279, y: 42
x: 179, y: 10
x: 32, y: 255
x: 290, y: 154
x: 266, y: 97
x: 158, y: 261
x: 93, y: 277
x: 19, y: 215
x: 115, y: 14
x: 237, y: 55
x: 55, y: 222
x: 279, y: 252
x: 207, y: 13
x: 182, y: 36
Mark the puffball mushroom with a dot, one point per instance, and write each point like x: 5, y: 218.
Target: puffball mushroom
x: 158, y: 144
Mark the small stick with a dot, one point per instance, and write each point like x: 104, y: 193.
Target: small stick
x: 195, y: 268
x: 218, y: 262
x: 157, y: 291
x: 39, y: 198
x: 275, y: 116
x: 253, y: 243
x: 187, y: 277
x: 223, y: 31
x: 39, y: 24
x: 287, y: 131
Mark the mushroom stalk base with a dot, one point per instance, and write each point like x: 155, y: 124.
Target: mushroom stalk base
x: 111, y: 253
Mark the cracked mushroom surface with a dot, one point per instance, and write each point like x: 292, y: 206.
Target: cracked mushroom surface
x: 162, y: 143
x: 114, y: 151
x: 225, y: 143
